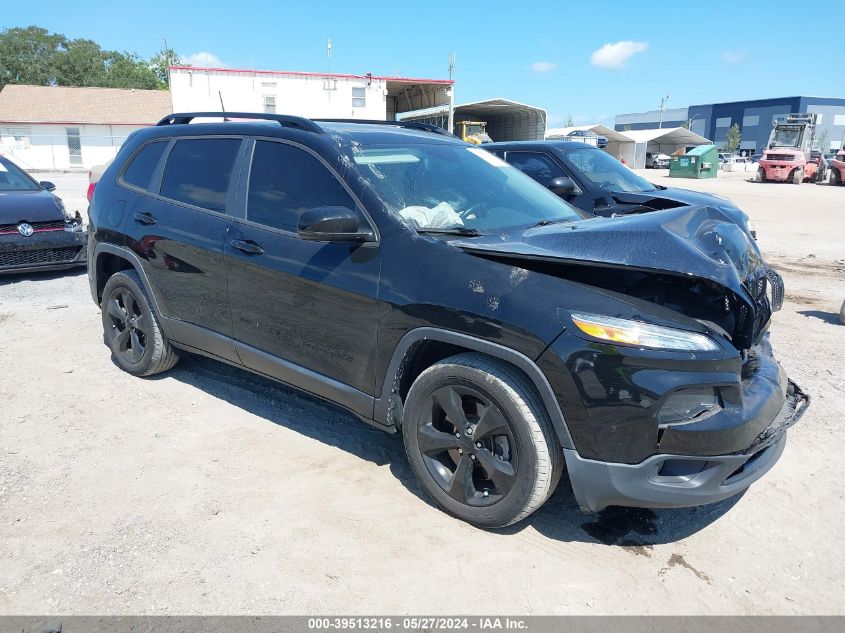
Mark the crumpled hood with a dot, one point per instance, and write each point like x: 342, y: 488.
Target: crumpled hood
x: 686, y: 197
x: 688, y: 241
x: 29, y: 206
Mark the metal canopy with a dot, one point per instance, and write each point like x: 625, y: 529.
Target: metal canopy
x: 506, y: 120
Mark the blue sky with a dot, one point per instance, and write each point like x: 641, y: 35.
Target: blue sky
x: 588, y: 59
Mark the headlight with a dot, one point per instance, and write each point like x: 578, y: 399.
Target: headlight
x: 642, y: 334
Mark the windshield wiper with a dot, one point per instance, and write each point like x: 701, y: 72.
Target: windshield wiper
x: 452, y: 230
x: 548, y: 222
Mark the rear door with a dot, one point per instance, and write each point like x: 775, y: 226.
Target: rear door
x: 300, y: 304
x: 178, y: 229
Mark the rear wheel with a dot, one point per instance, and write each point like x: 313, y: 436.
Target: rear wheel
x: 797, y: 176
x: 130, y: 328
x: 479, y: 441
x: 835, y: 178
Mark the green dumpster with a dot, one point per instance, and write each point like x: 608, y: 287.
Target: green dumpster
x: 699, y: 162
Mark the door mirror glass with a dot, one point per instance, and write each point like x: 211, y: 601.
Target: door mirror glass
x: 562, y: 186
x: 47, y: 185
x: 332, y: 224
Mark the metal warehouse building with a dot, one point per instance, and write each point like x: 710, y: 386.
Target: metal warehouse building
x: 754, y: 118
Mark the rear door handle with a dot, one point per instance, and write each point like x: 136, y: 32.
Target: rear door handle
x: 145, y: 218
x: 247, y: 246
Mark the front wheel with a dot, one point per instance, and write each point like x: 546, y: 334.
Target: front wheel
x: 835, y: 178
x: 130, y: 328
x: 479, y: 441
x: 797, y: 176
x: 760, y: 176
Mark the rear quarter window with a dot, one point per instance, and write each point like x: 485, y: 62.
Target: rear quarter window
x: 198, y: 172
x: 139, y: 173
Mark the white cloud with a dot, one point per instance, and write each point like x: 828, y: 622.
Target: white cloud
x: 733, y: 57
x: 543, y: 67
x: 203, y: 58
x: 615, y: 55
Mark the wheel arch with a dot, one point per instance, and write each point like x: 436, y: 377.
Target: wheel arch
x: 422, y: 347
x: 109, y: 259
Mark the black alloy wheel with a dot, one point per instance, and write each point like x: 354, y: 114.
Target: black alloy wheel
x: 129, y: 327
x: 467, y: 445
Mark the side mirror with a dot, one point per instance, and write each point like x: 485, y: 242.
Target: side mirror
x: 332, y: 224
x: 47, y: 185
x: 563, y: 186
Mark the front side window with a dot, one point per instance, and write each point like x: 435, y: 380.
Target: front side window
x: 449, y: 186
x: 13, y: 178
x: 198, y: 171
x: 140, y: 170
x: 285, y: 181
x: 541, y: 168
x: 606, y: 172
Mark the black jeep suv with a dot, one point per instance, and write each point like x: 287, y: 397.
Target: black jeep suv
x: 427, y: 286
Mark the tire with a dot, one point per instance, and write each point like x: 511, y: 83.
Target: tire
x: 144, y: 350
x: 760, y: 176
x: 835, y: 179
x: 797, y: 176
x: 500, y: 410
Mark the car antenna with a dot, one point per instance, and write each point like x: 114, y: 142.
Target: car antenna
x: 222, y: 107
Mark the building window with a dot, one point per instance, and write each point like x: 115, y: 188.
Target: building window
x: 723, y: 122
x: 750, y: 120
x: 268, y: 84
x: 359, y: 97
x: 839, y: 119
x: 269, y: 104
x: 20, y: 136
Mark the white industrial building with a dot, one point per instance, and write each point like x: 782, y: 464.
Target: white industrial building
x: 61, y: 127
x: 313, y: 95
x: 343, y: 96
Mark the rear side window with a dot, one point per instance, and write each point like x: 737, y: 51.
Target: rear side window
x: 198, y: 171
x: 140, y: 170
x: 538, y: 166
x: 285, y: 181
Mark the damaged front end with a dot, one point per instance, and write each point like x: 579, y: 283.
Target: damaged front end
x: 654, y: 425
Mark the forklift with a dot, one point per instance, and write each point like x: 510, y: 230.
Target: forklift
x: 789, y: 155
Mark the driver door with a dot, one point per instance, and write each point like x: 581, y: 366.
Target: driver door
x: 299, y: 304
x: 544, y: 168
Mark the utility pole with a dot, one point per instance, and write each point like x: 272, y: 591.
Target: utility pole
x: 329, y: 53
x: 452, y: 91
x: 663, y: 103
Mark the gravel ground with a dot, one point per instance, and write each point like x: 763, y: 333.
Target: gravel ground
x: 208, y: 490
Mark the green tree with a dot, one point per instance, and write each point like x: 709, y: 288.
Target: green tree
x: 733, y: 139
x: 33, y: 55
x: 823, y: 140
x: 28, y: 55
x: 128, y: 70
x: 161, y: 61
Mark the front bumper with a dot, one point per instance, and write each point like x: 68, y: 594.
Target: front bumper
x: 50, y: 250
x: 674, y: 481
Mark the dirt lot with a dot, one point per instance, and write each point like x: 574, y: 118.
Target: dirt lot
x: 208, y: 490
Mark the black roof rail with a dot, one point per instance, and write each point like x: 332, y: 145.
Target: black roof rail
x: 285, y: 120
x: 411, y: 125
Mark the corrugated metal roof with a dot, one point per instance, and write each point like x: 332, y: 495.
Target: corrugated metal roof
x: 68, y: 104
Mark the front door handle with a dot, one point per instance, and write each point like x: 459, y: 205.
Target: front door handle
x: 247, y: 246
x: 145, y: 218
